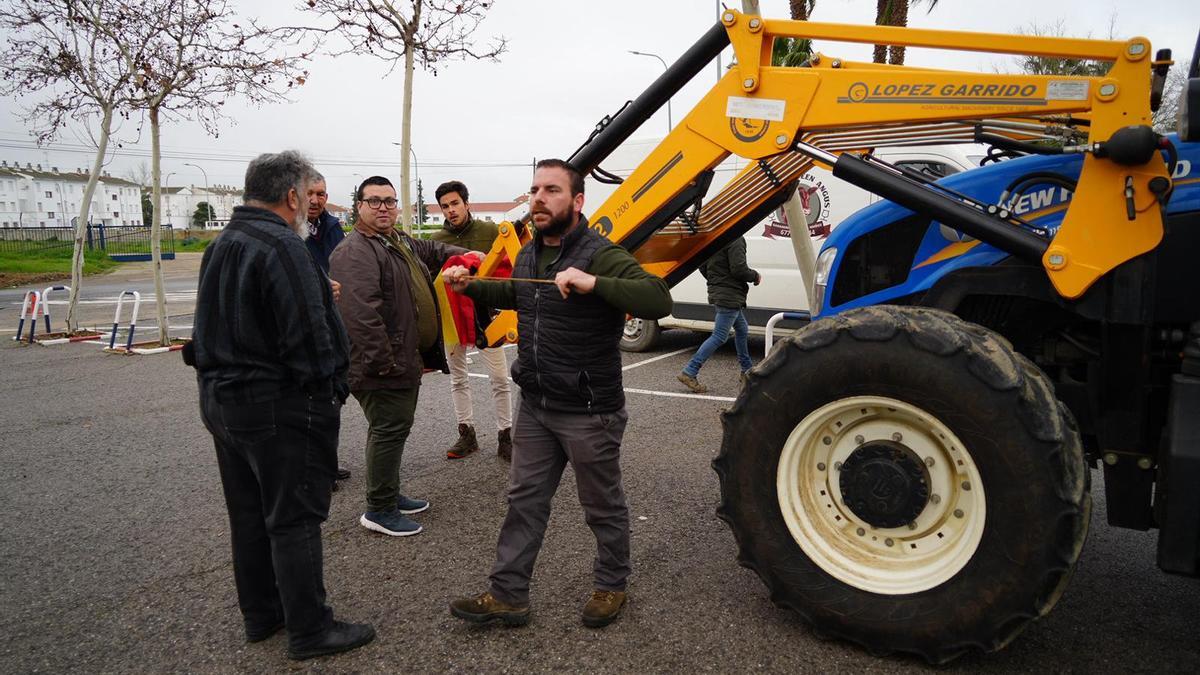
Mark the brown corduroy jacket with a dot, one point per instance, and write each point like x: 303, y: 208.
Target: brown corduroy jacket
x: 377, y: 307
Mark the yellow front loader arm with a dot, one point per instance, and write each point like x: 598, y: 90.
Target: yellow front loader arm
x: 785, y: 119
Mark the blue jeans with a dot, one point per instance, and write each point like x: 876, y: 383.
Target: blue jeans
x: 727, y: 317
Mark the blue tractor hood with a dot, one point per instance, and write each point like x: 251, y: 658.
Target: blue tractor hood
x: 943, y: 250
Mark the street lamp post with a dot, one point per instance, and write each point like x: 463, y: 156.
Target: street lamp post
x: 167, y: 198
x: 207, y: 194
x: 670, y: 124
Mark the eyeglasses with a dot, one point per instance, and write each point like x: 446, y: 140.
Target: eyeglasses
x: 376, y: 202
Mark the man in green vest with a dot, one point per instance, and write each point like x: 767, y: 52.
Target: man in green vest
x: 463, y: 229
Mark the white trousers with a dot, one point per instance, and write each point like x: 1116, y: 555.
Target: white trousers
x: 460, y: 384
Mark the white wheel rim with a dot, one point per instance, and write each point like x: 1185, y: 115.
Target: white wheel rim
x: 891, y: 561
x: 633, y: 329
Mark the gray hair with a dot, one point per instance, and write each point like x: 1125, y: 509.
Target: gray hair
x: 270, y: 176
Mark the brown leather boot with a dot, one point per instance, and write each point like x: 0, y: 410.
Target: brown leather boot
x: 466, y: 443
x: 603, y: 608
x: 485, y: 607
x: 504, y: 444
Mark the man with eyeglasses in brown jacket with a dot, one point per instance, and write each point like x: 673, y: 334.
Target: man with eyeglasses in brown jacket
x: 390, y: 310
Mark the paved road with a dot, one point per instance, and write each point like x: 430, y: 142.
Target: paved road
x: 99, y: 293
x: 114, y: 547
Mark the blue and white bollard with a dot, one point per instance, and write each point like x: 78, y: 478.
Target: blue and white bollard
x: 46, y: 302
x: 25, y: 307
x: 137, y: 302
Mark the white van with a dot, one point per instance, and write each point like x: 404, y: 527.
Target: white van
x: 826, y: 201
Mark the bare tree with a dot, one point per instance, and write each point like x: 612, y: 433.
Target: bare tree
x: 139, y: 174
x: 1166, y: 118
x: 64, y: 54
x: 201, y: 55
x: 408, y: 31
x: 1049, y: 65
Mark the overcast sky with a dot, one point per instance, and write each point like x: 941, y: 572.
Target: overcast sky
x: 567, y: 66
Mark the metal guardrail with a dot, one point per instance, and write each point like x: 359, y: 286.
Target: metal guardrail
x: 120, y: 242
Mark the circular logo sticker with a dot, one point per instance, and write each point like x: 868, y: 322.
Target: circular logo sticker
x: 858, y: 92
x: 748, y: 130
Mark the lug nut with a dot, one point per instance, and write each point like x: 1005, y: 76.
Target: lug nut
x: 958, y: 513
x: 827, y: 440
x: 888, y: 542
x: 935, y: 498
x: 928, y: 461
x: 837, y: 466
x: 966, y: 486
x: 861, y: 531
x: 859, y: 439
x: 1144, y: 463
x: 820, y: 466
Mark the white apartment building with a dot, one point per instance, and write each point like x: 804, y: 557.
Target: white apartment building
x: 37, y: 196
x: 180, y: 203
x: 494, y: 211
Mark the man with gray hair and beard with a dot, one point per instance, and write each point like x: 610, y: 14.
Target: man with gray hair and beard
x: 271, y: 356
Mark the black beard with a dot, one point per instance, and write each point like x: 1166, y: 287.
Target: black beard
x: 557, y: 225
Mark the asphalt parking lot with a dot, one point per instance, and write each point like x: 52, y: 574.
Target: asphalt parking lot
x: 116, y: 556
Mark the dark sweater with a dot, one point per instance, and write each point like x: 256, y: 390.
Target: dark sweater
x: 476, y: 235
x: 620, y: 281
x: 329, y: 235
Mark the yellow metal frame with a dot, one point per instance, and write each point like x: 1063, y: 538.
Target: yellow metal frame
x: 757, y: 111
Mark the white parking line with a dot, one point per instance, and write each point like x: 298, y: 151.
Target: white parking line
x: 651, y: 392
x: 660, y: 357
x: 674, y: 394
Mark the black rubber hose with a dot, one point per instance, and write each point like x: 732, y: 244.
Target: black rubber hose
x: 1016, y: 146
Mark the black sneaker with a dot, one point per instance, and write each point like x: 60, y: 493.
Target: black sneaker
x: 409, y: 506
x: 390, y: 522
x: 340, y: 637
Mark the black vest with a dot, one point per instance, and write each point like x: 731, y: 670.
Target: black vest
x: 568, y: 357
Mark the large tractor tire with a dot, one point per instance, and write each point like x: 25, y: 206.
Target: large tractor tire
x: 902, y: 479
x: 640, y: 335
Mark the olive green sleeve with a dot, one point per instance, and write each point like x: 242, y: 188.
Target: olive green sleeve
x: 622, y: 283
x: 494, y: 294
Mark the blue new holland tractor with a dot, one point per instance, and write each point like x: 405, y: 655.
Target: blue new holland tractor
x: 912, y: 470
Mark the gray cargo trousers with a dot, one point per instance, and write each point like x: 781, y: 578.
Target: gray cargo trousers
x: 543, y: 443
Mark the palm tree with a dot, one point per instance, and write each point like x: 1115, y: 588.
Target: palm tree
x: 794, y: 51
x: 894, y: 13
x: 801, y: 9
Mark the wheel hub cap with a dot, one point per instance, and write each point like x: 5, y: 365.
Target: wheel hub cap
x: 885, y: 484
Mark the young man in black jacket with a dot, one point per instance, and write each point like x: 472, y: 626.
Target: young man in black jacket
x: 271, y: 357
x: 728, y: 278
